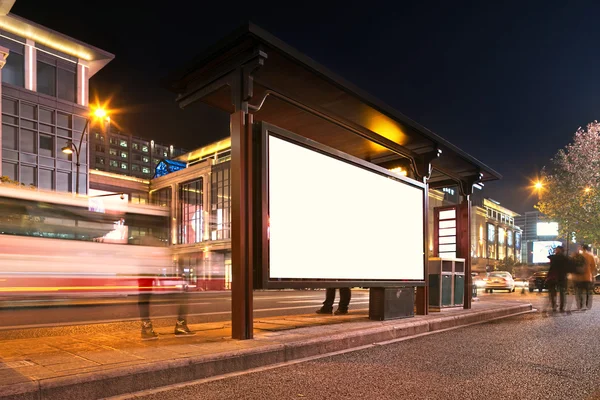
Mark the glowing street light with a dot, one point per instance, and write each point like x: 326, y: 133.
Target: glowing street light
x: 538, y: 185
x: 70, y: 148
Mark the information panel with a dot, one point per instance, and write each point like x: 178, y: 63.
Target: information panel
x: 330, y: 219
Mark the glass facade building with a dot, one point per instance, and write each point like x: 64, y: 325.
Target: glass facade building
x: 45, y: 105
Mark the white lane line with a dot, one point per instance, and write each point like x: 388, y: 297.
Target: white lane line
x: 108, y: 321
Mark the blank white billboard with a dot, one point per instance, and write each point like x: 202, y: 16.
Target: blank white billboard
x: 547, y: 228
x: 333, y: 220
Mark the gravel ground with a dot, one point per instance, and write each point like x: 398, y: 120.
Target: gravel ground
x: 535, y: 356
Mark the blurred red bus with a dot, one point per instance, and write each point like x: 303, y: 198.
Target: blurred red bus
x: 61, y: 245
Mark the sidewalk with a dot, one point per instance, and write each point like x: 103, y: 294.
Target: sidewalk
x: 91, y: 366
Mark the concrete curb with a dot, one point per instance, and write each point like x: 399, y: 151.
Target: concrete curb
x: 124, y: 380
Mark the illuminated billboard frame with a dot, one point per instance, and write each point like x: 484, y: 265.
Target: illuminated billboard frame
x: 263, y: 135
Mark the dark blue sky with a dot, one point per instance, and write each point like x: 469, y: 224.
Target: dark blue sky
x: 509, y: 83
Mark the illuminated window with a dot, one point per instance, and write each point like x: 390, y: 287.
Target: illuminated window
x: 162, y: 197
x: 190, y: 212
x: 123, y: 154
x: 146, y: 159
x: 145, y: 148
x: 135, y: 146
x: 123, y: 143
x: 113, y: 152
x: 113, y: 163
x: 220, y: 210
x: 145, y: 170
x: 124, y: 165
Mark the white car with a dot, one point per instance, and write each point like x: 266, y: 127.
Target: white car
x: 499, y: 280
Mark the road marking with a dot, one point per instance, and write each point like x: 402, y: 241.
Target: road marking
x: 109, y: 321
x: 176, y: 386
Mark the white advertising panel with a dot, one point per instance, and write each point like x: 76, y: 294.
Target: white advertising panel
x: 329, y: 219
x: 541, y: 250
x: 547, y: 228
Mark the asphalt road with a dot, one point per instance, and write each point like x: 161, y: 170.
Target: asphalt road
x: 534, y: 356
x: 203, y: 307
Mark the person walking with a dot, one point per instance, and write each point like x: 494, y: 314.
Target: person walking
x: 583, y: 279
x: 327, y: 308
x: 145, y: 293
x: 557, y: 278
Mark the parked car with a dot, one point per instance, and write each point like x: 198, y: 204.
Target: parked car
x: 499, y: 280
x: 597, y: 284
x: 537, y: 281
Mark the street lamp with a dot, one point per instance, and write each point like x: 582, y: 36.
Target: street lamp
x: 70, y: 148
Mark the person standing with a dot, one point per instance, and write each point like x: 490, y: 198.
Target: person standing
x: 584, y: 279
x: 557, y: 277
x: 327, y: 308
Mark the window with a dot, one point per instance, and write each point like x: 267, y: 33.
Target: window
x: 100, y: 160
x: 66, y: 85
x: 124, y: 165
x: 113, y: 163
x: 123, y: 143
x: 165, y: 154
x: 145, y: 170
x: 27, y: 141
x: 136, y: 157
x: 123, y: 154
x: 135, y: 168
x: 46, y: 79
x: 145, y: 148
x: 190, y: 212
x: 27, y: 175
x: 113, y: 140
x: 112, y: 152
x: 162, y: 197
x: 491, y: 241
x: 9, y: 137
x: 9, y: 170
x: 46, y: 145
x: 156, y: 160
x: 135, y: 146
x: 99, y: 148
x: 220, y: 206
x: 45, y: 179
x: 14, y: 69
x: 63, y: 181
x: 146, y: 159
x: 99, y: 137
x: 138, y: 198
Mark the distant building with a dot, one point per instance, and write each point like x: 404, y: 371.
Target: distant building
x: 495, y: 236
x: 539, y: 237
x: 45, y: 94
x: 121, y: 153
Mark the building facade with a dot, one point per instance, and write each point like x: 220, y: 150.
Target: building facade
x: 121, y: 153
x: 44, y: 104
x: 495, y: 238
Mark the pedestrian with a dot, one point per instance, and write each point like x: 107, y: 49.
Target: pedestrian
x: 583, y: 278
x: 557, y: 278
x: 145, y: 286
x: 327, y: 308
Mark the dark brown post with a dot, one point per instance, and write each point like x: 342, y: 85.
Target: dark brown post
x: 464, y: 226
x: 423, y: 292
x: 241, y: 226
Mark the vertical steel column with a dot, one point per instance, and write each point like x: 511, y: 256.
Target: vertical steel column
x: 423, y: 292
x: 464, y: 226
x: 241, y: 225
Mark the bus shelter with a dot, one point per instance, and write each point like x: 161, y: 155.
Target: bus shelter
x: 298, y: 128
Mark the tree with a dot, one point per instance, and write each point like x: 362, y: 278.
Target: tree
x: 571, y: 187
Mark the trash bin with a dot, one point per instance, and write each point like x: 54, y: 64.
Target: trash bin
x: 446, y: 282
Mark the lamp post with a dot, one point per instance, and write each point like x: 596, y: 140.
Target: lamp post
x: 70, y: 148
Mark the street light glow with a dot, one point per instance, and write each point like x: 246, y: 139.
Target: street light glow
x: 68, y: 149
x: 100, y: 113
x: 587, y: 190
x: 538, y: 185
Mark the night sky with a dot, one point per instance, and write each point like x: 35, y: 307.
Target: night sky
x: 508, y: 83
